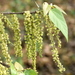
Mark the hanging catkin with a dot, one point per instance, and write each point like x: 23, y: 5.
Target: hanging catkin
x: 17, y: 35
x: 53, y: 34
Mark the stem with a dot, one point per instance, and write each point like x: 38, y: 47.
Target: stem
x: 6, y: 13
x: 4, y: 64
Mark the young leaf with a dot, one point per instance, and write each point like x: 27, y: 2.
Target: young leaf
x: 30, y: 72
x: 60, y: 9
x: 58, y: 19
x: 12, y: 69
x: 18, y: 66
x: 46, y: 8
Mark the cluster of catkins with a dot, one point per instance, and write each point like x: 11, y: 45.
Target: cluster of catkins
x: 34, y: 33
x: 4, y: 47
x: 33, y: 24
x: 34, y: 36
x: 12, y: 23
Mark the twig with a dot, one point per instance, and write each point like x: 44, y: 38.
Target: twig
x: 6, y: 13
x: 4, y: 64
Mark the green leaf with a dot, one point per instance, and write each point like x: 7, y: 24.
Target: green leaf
x: 57, y: 18
x: 60, y: 9
x: 30, y: 72
x: 13, y: 70
x: 46, y: 8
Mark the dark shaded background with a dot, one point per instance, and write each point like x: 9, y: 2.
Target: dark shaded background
x: 45, y: 65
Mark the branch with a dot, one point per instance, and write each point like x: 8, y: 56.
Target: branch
x: 6, y: 13
x: 4, y: 64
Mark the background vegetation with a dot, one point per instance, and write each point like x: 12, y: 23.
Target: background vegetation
x: 67, y: 52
